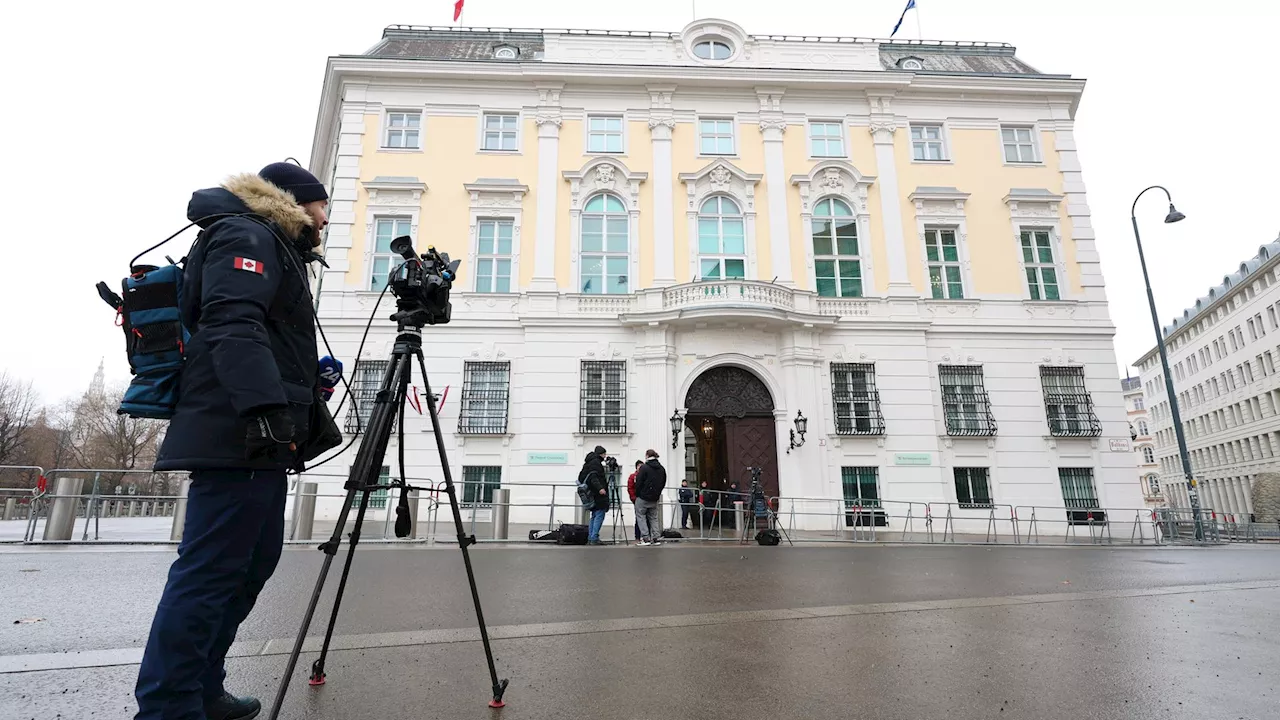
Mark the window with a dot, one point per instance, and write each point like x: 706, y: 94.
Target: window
x: 943, y: 255
x: 1257, y: 320
x: 383, y: 260
x: 1153, y: 484
x: 1067, y: 403
x: 911, y: 63
x: 1271, y: 316
x: 1143, y: 429
x: 605, y: 246
x: 712, y: 50
x: 1148, y: 455
x: 1235, y: 345
x: 926, y: 143
x: 715, y: 137
x: 499, y: 131
x: 603, y: 397
x: 966, y: 408
x: 1138, y: 404
x: 1077, y: 487
x: 856, y: 400
x: 486, y: 388
x: 506, y: 52
x: 403, y: 130
x: 972, y: 487
x: 478, y: 484
x: 604, y: 134
x: 1019, y: 144
x: 377, y: 498
x: 722, y: 247
x: 493, y: 256
x: 1037, y: 259
x: 836, y: 262
x: 861, y: 486
x: 826, y: 139
x: 365, y: 384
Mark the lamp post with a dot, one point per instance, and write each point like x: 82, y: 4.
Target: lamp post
x: 1194, y: 494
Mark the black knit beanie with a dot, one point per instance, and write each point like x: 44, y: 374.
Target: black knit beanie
x: 302, y: 184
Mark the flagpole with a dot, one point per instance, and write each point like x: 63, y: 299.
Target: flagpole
x: 919, y: 32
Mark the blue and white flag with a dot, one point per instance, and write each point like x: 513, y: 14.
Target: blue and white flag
x: 911, y: 5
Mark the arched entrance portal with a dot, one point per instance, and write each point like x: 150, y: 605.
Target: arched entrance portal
x: 730, y: 418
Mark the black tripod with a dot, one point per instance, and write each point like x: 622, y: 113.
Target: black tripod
x: 615, y: 502
x: 758, y: 507
x: 364, y: 480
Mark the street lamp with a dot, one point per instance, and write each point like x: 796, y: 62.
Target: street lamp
x: 677, y: 425
x: 802, y: 424
x: 1172, y: 217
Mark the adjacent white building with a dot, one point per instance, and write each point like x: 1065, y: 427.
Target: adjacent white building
x: 1223, y: 353
x: 1143, y: 443
x: 891, y: 240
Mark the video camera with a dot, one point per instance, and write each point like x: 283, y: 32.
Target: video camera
x: 611, y: 463
x: 421, y: 284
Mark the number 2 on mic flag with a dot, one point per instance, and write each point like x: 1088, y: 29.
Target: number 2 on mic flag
x: 249, y: 265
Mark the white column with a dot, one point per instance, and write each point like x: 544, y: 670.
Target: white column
x: 883, y: 129
x: 1242, y: 502
x: 776, y: 182
x: 661, y: 126
x: 547, y: 118
x: 339, y: 238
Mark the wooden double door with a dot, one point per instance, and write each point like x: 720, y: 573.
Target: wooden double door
x: 730, y: 412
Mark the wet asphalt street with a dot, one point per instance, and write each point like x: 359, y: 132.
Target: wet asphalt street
x: 864, y: 632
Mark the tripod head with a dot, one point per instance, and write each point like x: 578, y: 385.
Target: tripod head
x: 421, y: 285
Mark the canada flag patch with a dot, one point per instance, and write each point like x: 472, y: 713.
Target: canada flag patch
x: 249, y: 265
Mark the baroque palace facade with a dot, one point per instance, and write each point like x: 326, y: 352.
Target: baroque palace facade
x: 696, y: 238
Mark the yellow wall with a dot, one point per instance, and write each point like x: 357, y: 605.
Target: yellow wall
x: 450, y: 159
x: 978, y: 168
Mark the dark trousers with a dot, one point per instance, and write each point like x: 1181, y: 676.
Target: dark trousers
x: 684, y: 515
x: 230, y: 545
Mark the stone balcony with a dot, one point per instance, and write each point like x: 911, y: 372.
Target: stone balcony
x: 734, y: 301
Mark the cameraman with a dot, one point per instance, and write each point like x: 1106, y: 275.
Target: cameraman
x: 593, y: 476
x: 248, y: 411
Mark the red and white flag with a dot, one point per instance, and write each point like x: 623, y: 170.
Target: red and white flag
x: 457, y: 10
x: 249, y: 264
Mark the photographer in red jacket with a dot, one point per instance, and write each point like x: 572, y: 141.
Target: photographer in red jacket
x: 631, y: 491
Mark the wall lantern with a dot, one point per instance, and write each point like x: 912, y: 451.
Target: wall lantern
x: 802, y: 424
x: 677, y: 425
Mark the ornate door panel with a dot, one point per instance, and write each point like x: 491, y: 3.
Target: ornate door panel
x: 752, y: 443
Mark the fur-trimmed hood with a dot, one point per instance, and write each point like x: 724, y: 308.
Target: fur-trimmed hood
x: 248, y: 193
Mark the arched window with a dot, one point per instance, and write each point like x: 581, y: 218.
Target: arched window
x: 712, y: 50
x: 722, y: 245
x: 1153, y: 484
x: 1148, y: 455
x: 1142, y: 428
x: 836, y: 264
x: 605, y: 245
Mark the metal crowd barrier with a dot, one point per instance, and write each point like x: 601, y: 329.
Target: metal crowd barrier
x: 490, y: 513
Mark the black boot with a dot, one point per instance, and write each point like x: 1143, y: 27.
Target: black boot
x: 230, y: 707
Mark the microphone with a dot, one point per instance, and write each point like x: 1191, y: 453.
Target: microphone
x: 403, y: 521
x: 330, y: 374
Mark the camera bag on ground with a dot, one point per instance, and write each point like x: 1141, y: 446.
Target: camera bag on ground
x: 768, y: 537
x: 672, y: 534
x: 544, y: 536
x: 154, y: 337
x: 572, y: 534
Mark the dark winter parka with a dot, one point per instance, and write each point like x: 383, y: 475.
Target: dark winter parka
x: 594, y: 476
x: 651, y: 480
x: 247, y: 302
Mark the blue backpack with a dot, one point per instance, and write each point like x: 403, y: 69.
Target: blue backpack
x: 155, y: 338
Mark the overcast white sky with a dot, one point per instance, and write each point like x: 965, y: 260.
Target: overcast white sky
x: 114, y: 112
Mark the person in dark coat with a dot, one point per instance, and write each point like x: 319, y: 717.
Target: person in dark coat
x: 651, y: 480
x: 593, y: 475
x: 246, y: 415
x: 687, y: 505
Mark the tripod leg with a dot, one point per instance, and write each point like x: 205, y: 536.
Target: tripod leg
x: 499, y: 686
x: 363, y: 472
x: 317, y: 667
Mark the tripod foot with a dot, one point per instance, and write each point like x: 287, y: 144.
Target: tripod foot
x: 498, y: 691
x: 316, y: 680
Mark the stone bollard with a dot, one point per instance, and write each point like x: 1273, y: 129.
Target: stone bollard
x: 414, y: 496
x: 739, y: 515
x: 501, y: 514
x: 62, y: 513
x: 180, y: 512
x: 10, y: 505
x: 133, y: 508
x: 306, y: 512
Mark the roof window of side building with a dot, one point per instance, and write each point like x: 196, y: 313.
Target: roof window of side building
x: 911, y: 63
x: 506, y: 52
